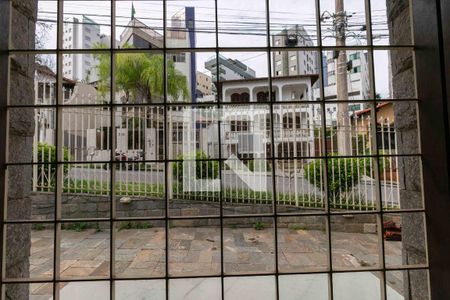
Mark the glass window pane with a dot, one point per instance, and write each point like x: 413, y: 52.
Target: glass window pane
x: 190, y: 24
x: 84, y: 29
x: 84, y: 250
x: 302, y: 244
x: 140, y: 251
x: 195, y: 289
x: 242, y: 24
x: 139, y: 24
x: 343, y: 24
x: 292, y: 23
x: 355, y: 242
x: 82, y: 290
x: 34, y: 258
x: 249, y: 246
x: 140, y: 289
x: 307, y: 287
x: 366, y: 285
x: 194, y: 247
x: 260, y: 287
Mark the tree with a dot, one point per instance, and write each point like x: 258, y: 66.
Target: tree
x: 140, y: 76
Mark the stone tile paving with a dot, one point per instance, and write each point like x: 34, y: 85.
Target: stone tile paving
x: 196, y: 251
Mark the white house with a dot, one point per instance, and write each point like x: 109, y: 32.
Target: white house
x: 247, y: 130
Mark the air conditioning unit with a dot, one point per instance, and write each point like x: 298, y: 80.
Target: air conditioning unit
x: 291, y: 40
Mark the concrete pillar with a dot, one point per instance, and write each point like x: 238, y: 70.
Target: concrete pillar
x: 21, y: 132
x: 403, y: 78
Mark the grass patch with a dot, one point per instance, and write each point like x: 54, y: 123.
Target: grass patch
x: 229, y: 195
x: 78, y: 227
x: 38, y: 227
x: 258, y: 225
x: 134, y: 225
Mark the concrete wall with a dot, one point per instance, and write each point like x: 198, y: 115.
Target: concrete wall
x: 75, y: 206
x: 403, y: 78
x: 20, y: 139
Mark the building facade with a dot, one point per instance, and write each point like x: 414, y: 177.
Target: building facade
x: 139, y: 35
x: 81, y: 33
x: 247, y: 130
x: 229, y: 69
x: 291, y: 63
x: 204, y: 84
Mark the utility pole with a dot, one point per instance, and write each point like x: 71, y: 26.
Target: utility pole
x: 343, y: 120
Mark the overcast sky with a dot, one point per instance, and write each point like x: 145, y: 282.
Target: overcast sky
x: 239, y: 23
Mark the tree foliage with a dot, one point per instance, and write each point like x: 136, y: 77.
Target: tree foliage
x: 204, y: 168
x: 140, y: 76
x: 343, y: 173
x: 46, y: 158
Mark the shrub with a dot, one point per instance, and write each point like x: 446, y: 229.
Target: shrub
x: 205, y: 169
x: 258, y: 165
x: 258, y: 225
x: 78, y: 227
x: 343, y: 174
x: 46, y: 156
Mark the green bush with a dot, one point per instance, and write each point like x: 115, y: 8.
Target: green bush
x: 259, y: 165
x: 258, y: 225
x: 205, y: 169
x: 46, y: 157
x: 343, y: 174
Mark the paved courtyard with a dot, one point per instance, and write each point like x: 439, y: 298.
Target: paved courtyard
x: 196, y: 251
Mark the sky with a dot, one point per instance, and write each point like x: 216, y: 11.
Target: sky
x: 239, y: 24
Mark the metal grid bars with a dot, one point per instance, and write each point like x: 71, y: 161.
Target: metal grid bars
x: 292, y: 186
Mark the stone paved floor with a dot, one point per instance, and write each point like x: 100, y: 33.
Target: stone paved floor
x: 196, y: 251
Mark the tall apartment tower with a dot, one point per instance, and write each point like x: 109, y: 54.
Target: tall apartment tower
x: 81, y: 34
x: 291, y: 63
x: 357, y: 74
x: 229, y: 69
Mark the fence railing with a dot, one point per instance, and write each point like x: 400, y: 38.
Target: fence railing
x: 299, y: 176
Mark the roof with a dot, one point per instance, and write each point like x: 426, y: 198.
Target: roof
x: 367, y: 110
x: 47, y: 71
x: 146, y: 33
x: 313, y: 77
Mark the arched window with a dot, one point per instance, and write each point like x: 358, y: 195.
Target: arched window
x: 245, y: 97
x: 235, y: 97
x: 261, y: 97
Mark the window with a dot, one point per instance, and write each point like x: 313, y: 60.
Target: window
x: 355, y: 56
x: 239, y: 126
x: 179, y: 57
x: 356, y: 70
x: 240, y: 97
x: 130, y: 179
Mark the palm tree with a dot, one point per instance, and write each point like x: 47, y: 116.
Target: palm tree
x: 140, y: 76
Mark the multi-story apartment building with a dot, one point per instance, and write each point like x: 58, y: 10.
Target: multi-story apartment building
x: 357, y: 78
x: 229, y: 69
x: 81, y: 33
x: 357, y: 75
x: 138, y: 35
x: 305, y: 62
x: 291, y: 63
x: 204, y: 84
